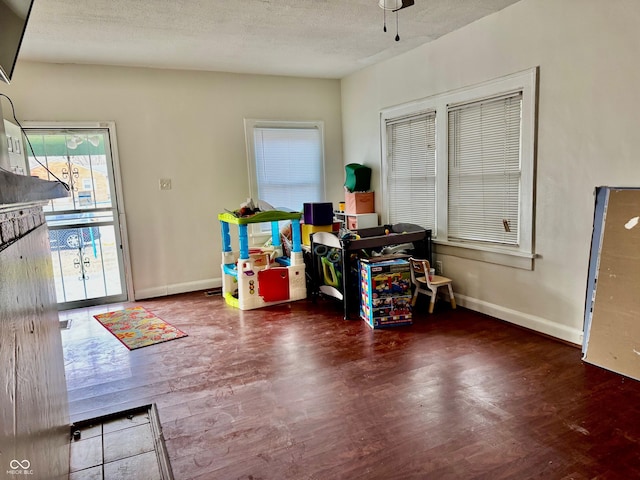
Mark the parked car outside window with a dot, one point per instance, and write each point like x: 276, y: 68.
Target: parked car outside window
x: 73, y: 237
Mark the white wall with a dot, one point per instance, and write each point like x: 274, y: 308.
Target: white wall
x: 587, y: 51
x: 187, y: 126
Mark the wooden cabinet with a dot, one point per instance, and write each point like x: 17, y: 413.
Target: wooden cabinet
x: 34, y: 412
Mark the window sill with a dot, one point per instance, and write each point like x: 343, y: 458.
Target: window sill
x: 482, y: 253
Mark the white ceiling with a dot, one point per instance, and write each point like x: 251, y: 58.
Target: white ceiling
x: 308, y: 38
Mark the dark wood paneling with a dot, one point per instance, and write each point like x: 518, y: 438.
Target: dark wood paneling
x: 7, y: 374
x: 35, y: 399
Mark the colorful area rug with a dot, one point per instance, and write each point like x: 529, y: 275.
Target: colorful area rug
x: 137, y: 327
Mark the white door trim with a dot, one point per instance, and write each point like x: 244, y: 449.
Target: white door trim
x: 117, y: 180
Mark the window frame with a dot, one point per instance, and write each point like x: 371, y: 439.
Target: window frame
x: 386, y: 175
x: 260, y: 230
x: 494, y: 122
x: 250, y: 124
x: 521, y: 255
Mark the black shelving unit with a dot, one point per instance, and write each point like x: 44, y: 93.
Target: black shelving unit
x: 370, y: 239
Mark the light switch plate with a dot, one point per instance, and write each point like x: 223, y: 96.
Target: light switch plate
x: 165, y: 184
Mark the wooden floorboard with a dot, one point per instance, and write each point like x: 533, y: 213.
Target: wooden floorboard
x: 295, y: 392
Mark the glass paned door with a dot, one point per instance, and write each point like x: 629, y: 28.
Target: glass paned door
x: 84, y: 233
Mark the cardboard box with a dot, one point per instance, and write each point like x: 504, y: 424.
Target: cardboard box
x: 388, y: 312
x: 385, y: 293
x: 612, y: 328
x: 359, y: 202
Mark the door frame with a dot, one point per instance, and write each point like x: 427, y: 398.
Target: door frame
x: 110, y: 126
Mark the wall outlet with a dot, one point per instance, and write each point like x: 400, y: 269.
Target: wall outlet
x: 439, y: 270
x: 165, y: 184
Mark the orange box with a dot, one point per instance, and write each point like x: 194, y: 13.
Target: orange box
x: 360, y: 202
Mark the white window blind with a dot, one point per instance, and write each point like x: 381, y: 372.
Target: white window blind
x: 485, y: 170
x: 411, y: 170
x: 289, y: 166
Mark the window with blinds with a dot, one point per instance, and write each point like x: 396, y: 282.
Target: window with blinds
x: 462, y: 164
x: 484, y: 170
x: 288, y: 165
x: 411, y: 170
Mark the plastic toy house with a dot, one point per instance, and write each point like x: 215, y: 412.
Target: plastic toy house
x: 259, y: 277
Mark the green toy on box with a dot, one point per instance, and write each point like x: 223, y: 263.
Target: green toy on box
x: 358, y: 177
x: 357, y: 197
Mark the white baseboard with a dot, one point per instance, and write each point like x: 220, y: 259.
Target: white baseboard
x: 178, y: 288
x: 531, y: 322
x: 149, y: 293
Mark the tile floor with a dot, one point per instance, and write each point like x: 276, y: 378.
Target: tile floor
x: 122, y: 447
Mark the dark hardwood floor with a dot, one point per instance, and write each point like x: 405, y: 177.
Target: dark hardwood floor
x: 295, y: 392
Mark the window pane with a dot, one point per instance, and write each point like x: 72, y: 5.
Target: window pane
x: 78, y: 158
x: 484, y: 171
x: 411, y: 178
x: 289, y: 166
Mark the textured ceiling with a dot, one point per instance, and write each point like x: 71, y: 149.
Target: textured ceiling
x: 309, y: 38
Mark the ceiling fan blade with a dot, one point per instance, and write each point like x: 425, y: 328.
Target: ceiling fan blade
x: 405, y: 4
